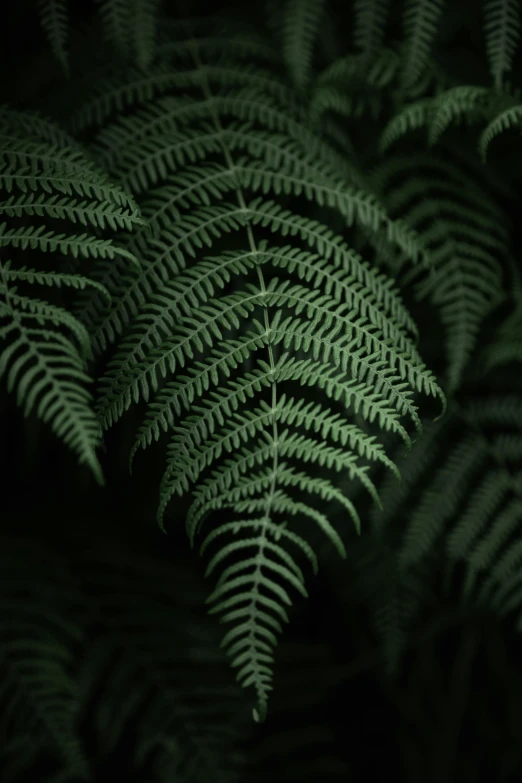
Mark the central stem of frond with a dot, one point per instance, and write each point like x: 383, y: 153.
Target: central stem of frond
x: 254, y: 250
x: 259, y: 685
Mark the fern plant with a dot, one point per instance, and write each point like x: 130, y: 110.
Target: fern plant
x: 477, y: 528
x: 128, y: 26
x: 249, y: 324
x: 147, y: 673
x: 469, y: 239
x: 264, y: 268
x: 45, y: 174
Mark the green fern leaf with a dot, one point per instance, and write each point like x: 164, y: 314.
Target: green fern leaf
x: 437, y: 114
x: 43, y: 172
x: 467, y: 502
x: 48, y: 374
x: 39, y: 698
x: 502, y: 31
x: 115, y: 17
x: 507, y: 119
x: 414, y: 116
x: 420, y: 21
x: 241, y: 304
x: 300, y: 27
x: 467, y: 236
x: 144, y: 21
x: 53, y: 17
x: 369, y: 25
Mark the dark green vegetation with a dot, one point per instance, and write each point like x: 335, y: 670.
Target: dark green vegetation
x: 269, y: 260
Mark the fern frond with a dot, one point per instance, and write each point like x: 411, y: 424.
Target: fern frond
x: 502, y: 31
x: 441, y: 500
x: 146, y: 670
x: 465, y: 234
x: 300, y: 27
x: 351, y: 86
x: 48, y: 373
x: 51, y: 279
x: 131, y: 87
x: 457, y: 104
x: 221, y: 344
x: 40, y: 700
x: 104, y: 214
x: 346, y: 70
x: 44, y: 172
x: 507, y: 119
x: 330, y: 99
x: 169, y: 251
x: 54, y: 20
x: 369, y: 25
x: 414, y: 116
x: 145, y: 15
x: 420, y: 23
x: 147, y: 661
x: 115, y: 16
x: 437, y: 114
x: 68, y: 244
x: 469, y: 506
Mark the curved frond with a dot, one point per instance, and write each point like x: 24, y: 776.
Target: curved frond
x: 412, y: 117
x: 466, y: 236
x: 240, y: 304
x: 467, y: 502
x: 505, y: 120
x: 47, y: 175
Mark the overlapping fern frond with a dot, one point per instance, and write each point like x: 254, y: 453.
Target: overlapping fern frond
x: 458, y: 509
x: 420, y: 22
x: 221, y: 337
x: 155, y: 663
x: 45, y: 174
x: 128, y: 25
x: 264, y: 342
x: 471, y: 503
x: 159, y: 666
x: 40, y: 633
x: 54, y: 20
x: 497, y: 111
x: 131, y: 26
x: 370, y: 17
x: 300, y: 28
x: 502, y: 32
x: 352, y: 86
x: 468, y: 238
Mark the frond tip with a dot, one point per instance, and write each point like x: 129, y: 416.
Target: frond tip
x: 47, y: 370
x: 54, y: 20
x: 46, y: 174
x: 300, y: 28
x: 502, y: 31
x: 421, y: 20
